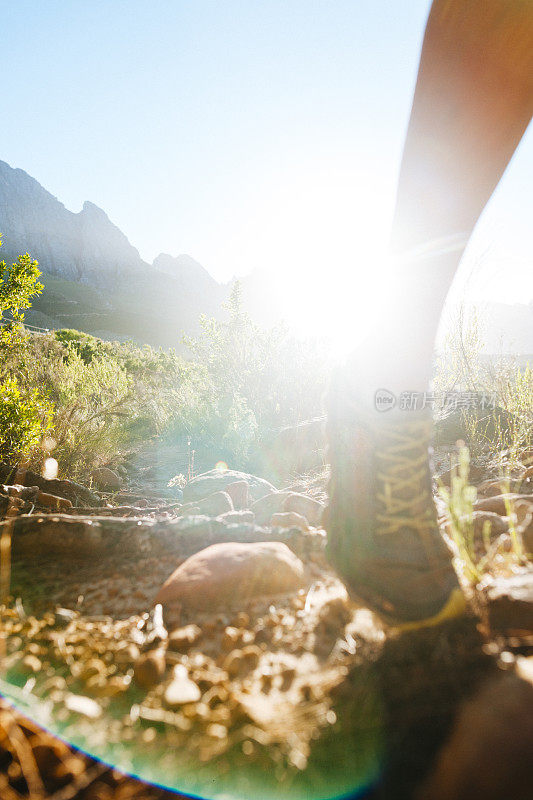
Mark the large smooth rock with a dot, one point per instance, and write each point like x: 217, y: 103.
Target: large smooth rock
x: 240, y: 494
x: 307, y: 506
x: 231, y: 573
x: 215, y: 504
x: 107, y: 480
x: 270, y: 504
x: 216, y: 480
x: 298, y: 448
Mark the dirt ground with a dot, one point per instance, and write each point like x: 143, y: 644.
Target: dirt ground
x: 300, y: 696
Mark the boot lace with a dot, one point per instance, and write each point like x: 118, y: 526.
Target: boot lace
x: 404, y: 493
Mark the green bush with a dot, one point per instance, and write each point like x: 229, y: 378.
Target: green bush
x: 18, y: 284
x: 462, y: 367
x: 241, y: 384
x: 247, y: 383
x: 109, y: 397
x: 25, y: 417
x: 87, y: 347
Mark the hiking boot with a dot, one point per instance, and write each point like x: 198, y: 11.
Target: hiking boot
x: 381, y: 521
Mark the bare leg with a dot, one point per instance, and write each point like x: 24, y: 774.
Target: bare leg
x: 472, y: 104
x: 473, y: 101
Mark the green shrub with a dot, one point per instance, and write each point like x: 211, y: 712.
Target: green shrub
x: 84, y: 345
x: 247, y: 382
x: 25, y: 417
x: 18, y: 284
x: 462, y: 367
x: 242, y: 383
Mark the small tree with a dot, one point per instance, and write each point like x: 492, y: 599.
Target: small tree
x: 25, y: 414
x: 25, y: 417
x: 18, y: 284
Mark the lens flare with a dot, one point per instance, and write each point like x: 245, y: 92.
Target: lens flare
x: 50, y: 468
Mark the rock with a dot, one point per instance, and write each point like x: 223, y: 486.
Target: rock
x: 524, y: 668
x: 107, y: 479
x: 475, y: 474
x: 63, y: 534
x: 64, y: 616
x: 526, y: 457
x: 289, y: 519
x: 307, y: 506
x: 298, y: 448
x: 215, y: 504
x: 62, y: 488
x: 12, y: 506
x: 53, y: 502
x: 232, y: 573
x: 490, y: 488
x: 30, y: 665
x: 232, y: 638
x: 239, y: 662
x: 181, y: 689
x: 488, y: 754
x: 149, y: 668
x: 454, y: 424
x: 79, y: 704
x: 195, y: 525
x: 217, y: 480
x: 335, y: 614
x: 188, y: 510
x: 495, y: 523
x: 507, y: 604
x: 269, y: 504
x: 526, y: 530
x: 182, y: 639
x: 127, y: 655
x: 28, y: 493
x: 520, y: 504
x: 237, y: 517
x: 239, y: 493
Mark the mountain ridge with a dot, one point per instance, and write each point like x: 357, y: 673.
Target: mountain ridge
x: 85, y: 248
x: 95, y: 279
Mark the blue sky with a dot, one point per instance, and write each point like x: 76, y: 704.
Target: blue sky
x: 252, y: 133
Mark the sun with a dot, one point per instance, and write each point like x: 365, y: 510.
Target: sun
x: 323, y: 250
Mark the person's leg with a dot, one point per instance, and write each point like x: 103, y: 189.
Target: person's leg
x: 472, y: 103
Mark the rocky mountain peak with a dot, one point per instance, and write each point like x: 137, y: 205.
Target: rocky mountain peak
x: 184, y: 269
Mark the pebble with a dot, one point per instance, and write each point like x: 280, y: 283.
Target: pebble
x: 182, y: 639
x: 181, y: 689
x: 30, y: 665
x: 80, y: 704
x: 150, y: 668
